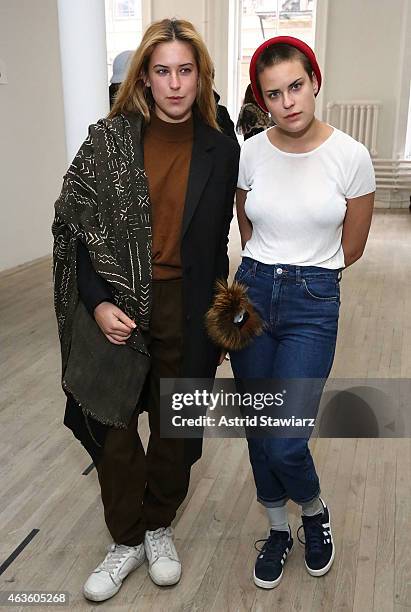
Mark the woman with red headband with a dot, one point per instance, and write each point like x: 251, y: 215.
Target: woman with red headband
x: 304, y: 204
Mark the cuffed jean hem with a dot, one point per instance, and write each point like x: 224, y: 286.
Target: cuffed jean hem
x: 306, y: 501
x: 277, y: 503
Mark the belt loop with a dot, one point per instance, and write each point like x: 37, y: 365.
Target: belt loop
x: 255, y: 264
x: 339, y: 277
x: 298, y: 275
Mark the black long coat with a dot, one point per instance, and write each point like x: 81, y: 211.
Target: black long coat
x: 206, y: 222
x: 208, y: 212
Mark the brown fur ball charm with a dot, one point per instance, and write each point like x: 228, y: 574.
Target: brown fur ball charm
x: 232, y: 322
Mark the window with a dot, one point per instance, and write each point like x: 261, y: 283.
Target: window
x: 123, y: 28
x: 263, y: 19
x: 124, y: 9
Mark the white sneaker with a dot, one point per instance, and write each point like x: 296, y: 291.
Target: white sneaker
x: 164, y: 565
x: 107, y: 578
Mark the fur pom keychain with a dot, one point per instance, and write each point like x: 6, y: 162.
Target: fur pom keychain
x: 232, y: 321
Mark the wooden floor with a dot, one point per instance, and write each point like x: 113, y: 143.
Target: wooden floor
x: 365, y: 481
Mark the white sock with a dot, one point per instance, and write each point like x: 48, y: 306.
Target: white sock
x: 314, y: 506
x: 278, y: 518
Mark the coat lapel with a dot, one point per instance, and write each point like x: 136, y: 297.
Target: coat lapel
x: 200, y: 168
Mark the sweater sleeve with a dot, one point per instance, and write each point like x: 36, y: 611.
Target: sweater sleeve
x: 92, y: 288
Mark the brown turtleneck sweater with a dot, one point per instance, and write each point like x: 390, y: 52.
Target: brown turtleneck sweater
x: 167, y: 156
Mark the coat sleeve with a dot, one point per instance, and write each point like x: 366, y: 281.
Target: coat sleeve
x: 225, y: 122
x: 223, y: 263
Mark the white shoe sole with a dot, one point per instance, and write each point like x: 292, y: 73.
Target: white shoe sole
x: 164, y: 581
x: 264, y: 584
x: 108, y: 594
x: 323, y: 570
x: 101, y: 596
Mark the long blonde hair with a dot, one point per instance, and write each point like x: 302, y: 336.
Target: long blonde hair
x: 134, y: 96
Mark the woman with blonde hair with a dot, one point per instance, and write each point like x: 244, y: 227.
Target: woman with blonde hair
x: 141, y: 232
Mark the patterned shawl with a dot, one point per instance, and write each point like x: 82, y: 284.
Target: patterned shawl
x: 105, y: 203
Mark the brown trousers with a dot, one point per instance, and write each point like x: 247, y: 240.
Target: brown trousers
x: 141, y: 490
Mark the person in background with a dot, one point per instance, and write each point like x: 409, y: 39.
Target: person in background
x: 223, y: 119
x: 252, y: 119
x: 120, y: 67
x: 140, y: 240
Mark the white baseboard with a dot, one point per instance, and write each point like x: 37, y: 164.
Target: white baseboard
x: 24, y: 266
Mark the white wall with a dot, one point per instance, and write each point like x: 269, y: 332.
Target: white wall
x: 404, y: 80
x: 32, y: 139
x: 365, y: 43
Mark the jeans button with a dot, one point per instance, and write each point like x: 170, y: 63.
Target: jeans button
x: 279, y: 270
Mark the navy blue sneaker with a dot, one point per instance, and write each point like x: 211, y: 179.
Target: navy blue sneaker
x: 268, y: 569
x: 319, y: 545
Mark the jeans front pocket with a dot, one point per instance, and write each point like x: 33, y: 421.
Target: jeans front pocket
x: 242, y: 272
x: 322, y: 289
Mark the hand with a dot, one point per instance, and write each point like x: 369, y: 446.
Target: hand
x: 113, y: 322
x: 222, y: 357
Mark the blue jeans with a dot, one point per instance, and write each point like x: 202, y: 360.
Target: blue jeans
x: 300, y: 305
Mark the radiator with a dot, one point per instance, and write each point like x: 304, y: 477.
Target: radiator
x: 358, y: 118
x: 394, y: 174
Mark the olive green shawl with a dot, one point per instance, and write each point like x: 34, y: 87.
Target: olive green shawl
x: 105, y: 203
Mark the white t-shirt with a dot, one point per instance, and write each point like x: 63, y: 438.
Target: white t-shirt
x: 296, y: 202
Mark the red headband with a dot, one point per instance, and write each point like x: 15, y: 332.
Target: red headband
x: 288, y: 40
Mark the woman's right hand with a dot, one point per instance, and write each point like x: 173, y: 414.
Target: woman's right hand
x: 113, y: 322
